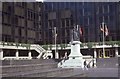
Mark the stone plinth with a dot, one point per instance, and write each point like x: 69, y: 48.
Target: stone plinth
x: 75, y: 58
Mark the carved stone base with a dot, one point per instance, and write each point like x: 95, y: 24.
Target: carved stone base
x: 75, y: 58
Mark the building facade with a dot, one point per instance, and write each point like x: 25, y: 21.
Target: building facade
x: 21, y: 22
x: 30, y: 22
x: 88, y: 15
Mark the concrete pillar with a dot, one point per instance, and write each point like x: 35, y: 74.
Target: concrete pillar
x: 51, y: 55
x: 95, y: 56
x: 116, y: 51
x: 1, y: 54
x: 29, y: 55
x: 57, y: 55
x: 95, y: 53
x: 17, y: 54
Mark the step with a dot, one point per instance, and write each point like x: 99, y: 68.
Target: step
x: 40, y: 73
x: 77, y: 72
x: 21, y: 68
x: 50, y: 73
x: 26, y: 62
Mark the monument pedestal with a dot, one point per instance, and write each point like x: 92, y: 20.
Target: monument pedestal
x: 75, y: 58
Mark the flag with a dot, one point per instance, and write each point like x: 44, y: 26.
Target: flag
x: 81, y: 31
x: 105, y: 30
x: 54, y: 32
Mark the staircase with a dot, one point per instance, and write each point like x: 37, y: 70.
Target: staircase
x: 22, y: 46
x: 39, y: 49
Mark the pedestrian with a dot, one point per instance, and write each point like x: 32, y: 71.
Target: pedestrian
x: 65, y: 56
x: 85, y: 65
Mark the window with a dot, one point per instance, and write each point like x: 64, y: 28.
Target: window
x: 85, y: 11
x: 34, y: 15
x: 6, y: 18
x: 119, y: 7
x: 18, y: 3
x: 100, y: 9
x: 71, y: 22
x: 50, y: 23
x: 20, y: 32
x: 46, y: 16
x: 86, y: 20
x: 105, y: 9
x: 63, y: 23
x: 106, y: 19
x: 67, y: 22
x: 90, y: 20
x: 111, y: 18
x: 9, y: 9
x: 81, y: 13
x: 39, y: 18
x: 16, y: 20
x: 54, y: 23
x: 100, y: 19
x: 30, y: 15
x: 111, y: 8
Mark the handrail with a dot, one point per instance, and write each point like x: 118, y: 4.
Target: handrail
x: 87, y: 45
x: 40, y: 49
x: 12, y: 45
x: 91, y: 61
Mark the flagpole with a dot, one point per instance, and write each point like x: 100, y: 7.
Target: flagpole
x: 56, y: 53
x: 103, y: 39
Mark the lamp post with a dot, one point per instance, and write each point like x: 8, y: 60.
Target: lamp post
x: 56, y: 53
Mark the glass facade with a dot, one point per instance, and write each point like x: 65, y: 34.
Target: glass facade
x: 88, y: 15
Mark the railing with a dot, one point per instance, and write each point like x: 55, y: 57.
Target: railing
x: 84, y: 45
x: 27, y: 46
x: 90, y: 63
x: 39, y: 49
x: 14, y: 58
x: 11, y: 45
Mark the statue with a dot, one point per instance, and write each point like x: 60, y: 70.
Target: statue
x: 75, y: 59
x: 75, y: 36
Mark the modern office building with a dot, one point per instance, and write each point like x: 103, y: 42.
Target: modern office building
x: 118, y: 17
x: 21, y: 22
x: 88, y: 15
x: 30, y: 22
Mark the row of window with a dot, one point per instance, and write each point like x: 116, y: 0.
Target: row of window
x: 30, y: 5
x: 91, y: 38
x: 33, y: 16
x: 9, y: 38
x: 83, y: 20
x: 87, y: 7
x: 7, y: 19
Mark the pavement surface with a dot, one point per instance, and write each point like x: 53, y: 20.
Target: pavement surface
x: 98, y: 72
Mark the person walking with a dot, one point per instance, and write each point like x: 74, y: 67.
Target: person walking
x: 65, y: 56
x: 85, y: 65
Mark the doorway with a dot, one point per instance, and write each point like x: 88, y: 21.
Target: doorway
x: 107, y: 54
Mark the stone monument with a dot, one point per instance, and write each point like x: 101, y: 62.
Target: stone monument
x: 75, y: 58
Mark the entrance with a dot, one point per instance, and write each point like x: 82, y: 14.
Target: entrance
x: 107, y: 54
